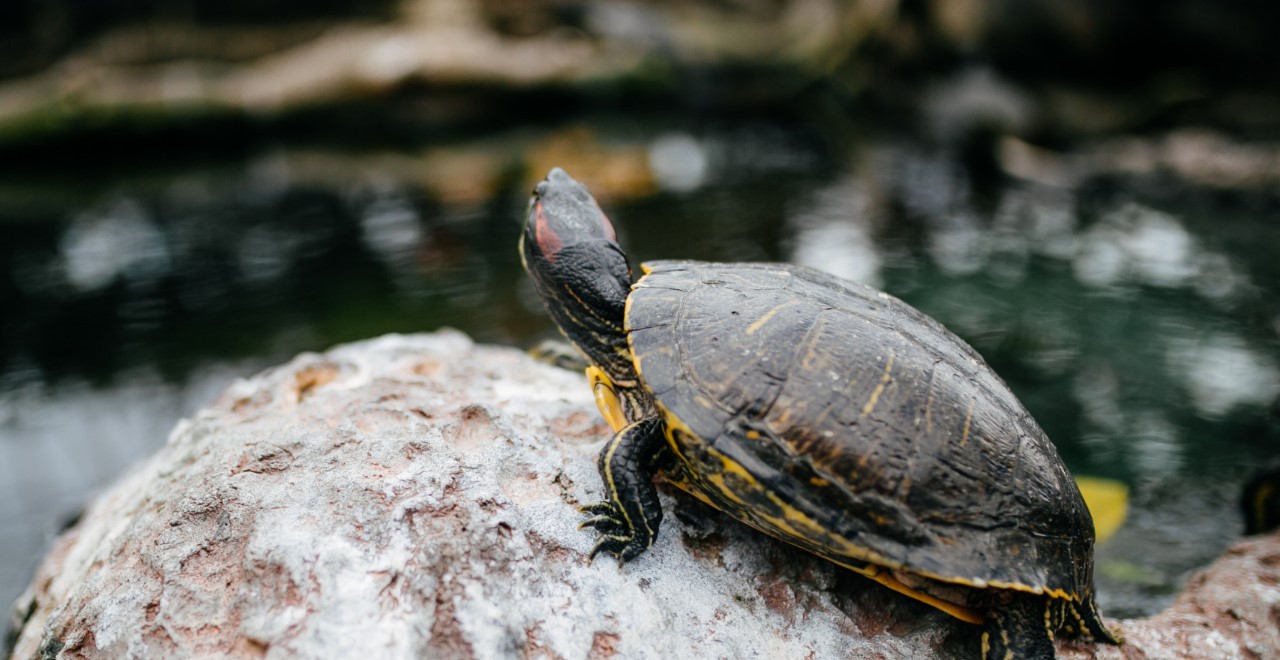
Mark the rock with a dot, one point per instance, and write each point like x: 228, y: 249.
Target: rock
x: 414, y: 496
x: 1231, y: 610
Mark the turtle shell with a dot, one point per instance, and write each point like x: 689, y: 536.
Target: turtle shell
x: 840, y: 419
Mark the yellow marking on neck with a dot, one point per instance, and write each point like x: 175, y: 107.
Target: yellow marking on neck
x: 765, y: 319
x: 608, y: 323
x: 884, y: 381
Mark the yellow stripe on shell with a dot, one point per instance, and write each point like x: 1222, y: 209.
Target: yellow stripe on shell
x: 758, y: 323
x: 842, y: 546
x: 884, y: 382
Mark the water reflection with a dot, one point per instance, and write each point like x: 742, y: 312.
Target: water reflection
x: 1135, y: 244
x: 1222, y: 372
x: 678, y: 161
x: 833, y: 233
x: 391, y: 227
x: 118, y: 241
x: 1128, y: 324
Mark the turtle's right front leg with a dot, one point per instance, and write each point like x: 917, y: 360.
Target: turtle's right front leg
x: 628, y: 517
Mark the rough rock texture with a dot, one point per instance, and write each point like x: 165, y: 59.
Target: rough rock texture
x: 415, y: 497
x: 1229, y: 611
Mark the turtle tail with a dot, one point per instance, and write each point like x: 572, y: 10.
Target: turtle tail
x: 1083, y: 621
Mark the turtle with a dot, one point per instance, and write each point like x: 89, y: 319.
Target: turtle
x: 824, y: 413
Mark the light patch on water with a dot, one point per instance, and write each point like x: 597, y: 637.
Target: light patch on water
x: 959, y: 248
x: 1097, y: 389
x: 832, y: 235
x: 1222, y: 372
x: 1146, y: 440
x: 1100, y: 260
x: 118, y: 240
x: 678, y: 161
x: 1161, y: 248
x: 935, y: 189
x: 1139, y: 245
x: 1155, y: 444
x: 1219, y: 279
x: 391, y: 228
x: 843, y: 250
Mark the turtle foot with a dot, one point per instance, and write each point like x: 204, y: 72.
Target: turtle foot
x: 617, y: 537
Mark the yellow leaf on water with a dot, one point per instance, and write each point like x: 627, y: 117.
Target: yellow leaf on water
x: 1108, y: 501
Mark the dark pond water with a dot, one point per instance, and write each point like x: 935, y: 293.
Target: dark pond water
x: 1138, y: 317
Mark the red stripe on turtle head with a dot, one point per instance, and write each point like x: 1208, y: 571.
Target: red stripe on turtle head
x: 549, y: 243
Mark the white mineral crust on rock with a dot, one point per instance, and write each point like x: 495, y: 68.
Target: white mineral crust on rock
x: 415, y: 497
x: 406, y: 497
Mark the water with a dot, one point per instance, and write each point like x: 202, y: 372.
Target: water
x: 1137, y: 316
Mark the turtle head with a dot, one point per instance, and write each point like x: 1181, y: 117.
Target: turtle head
x: 572, y: 255
x: 561, y: 214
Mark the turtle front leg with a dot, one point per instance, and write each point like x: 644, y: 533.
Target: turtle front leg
x: 629, y: 517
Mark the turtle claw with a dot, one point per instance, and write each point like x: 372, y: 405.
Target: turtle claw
x: 619, y: 546
x: 616, y: 536
x: 599, y: 508
x: 605, y: 519
x: 604, y: 523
